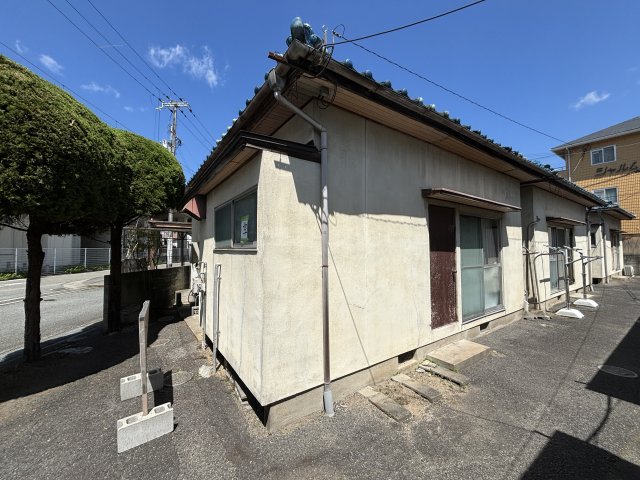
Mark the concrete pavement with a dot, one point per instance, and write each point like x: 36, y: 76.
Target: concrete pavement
x: 537, y: 408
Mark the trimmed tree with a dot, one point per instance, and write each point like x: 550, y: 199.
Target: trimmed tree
x: 155, y: 184
x: 56, y: 166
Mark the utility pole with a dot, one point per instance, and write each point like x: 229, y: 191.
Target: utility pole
x: 174, y: 142
x: 172, y: 145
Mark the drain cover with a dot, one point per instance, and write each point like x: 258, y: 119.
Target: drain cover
x: 617, y: 371
x: 177, y: 378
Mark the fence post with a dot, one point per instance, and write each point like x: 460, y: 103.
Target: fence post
x: 16, y: 262
x: 85, y: 258
x: 54, y: 260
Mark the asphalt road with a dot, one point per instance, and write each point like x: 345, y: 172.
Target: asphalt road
x: 537, y: 408
x: 68, y: 302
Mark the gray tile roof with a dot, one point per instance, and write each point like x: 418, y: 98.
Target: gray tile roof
x: 628, y: 126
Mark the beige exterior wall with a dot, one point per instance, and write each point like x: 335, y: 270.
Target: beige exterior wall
x: 542, y: 204
x: 380, y: 306
x: 623, y: 173
x: 603, y: 246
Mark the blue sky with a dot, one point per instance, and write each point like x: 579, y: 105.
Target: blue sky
x: 566, y: 68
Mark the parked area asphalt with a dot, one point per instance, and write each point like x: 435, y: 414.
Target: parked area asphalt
x: 538, y: 407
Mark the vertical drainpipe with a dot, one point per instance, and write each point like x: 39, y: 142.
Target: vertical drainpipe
x: 277, y: 83
x: 568, y: 164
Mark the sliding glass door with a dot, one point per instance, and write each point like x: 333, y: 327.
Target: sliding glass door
x: 481, y: 267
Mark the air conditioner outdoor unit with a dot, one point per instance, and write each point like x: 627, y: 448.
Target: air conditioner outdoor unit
x: 628, y: 271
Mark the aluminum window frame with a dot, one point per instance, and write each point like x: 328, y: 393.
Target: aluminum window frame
x: 604, y: 193
x: 601, y: 150
x: 499, y: 265
x: 230, y: 244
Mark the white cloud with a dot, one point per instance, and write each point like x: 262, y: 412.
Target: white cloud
x: 201, y: 68
x: 128, y: 108
x: 590, y: 98
x: 106, y: 89
x: 20, y: 47
x: 51, y: 64
x: 165, y: 57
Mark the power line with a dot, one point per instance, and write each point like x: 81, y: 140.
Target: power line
x: 114, y: 60
x: 62, y: 85
x: 406, y: 26
x: 467, y: 99
x: 147, y: 65
x: 101, y: 49
x: 117, y: 51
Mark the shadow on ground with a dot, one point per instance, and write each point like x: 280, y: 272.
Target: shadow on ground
x: 565, y: 456
x: 66, y: 363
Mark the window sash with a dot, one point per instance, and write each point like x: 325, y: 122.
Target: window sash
x: 481, y: 268
x: 603, y: 155
x: 235, y: 223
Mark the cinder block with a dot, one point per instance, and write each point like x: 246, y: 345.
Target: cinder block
x: 131, y: 386
x: 138, y: 429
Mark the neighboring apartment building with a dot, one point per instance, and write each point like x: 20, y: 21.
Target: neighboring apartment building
x: 607, y: 163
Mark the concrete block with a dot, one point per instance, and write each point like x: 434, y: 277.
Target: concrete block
x: 387, y: 405
x: 131, y: 386
x: 138, y: 429
x: 450, y: 375
x: 421, y: 389
x: 458, y: 354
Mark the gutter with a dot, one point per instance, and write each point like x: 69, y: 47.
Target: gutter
x: 276, y: 83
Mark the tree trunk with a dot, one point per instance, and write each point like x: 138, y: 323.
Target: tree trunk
x: 32, y: 299
x: 115, y: 275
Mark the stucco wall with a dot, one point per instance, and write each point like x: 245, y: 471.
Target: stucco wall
x: 599, y: 268
x: 542, y: 204
x: 241, y: 303
x: 379, y: 261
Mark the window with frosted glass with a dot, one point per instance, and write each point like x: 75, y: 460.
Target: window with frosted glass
x: 222, y: 226
x: 481, y: 270
x: 244, y: 220
x: 235, y: 224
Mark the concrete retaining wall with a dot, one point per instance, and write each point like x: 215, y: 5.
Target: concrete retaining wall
x: 159, y: 286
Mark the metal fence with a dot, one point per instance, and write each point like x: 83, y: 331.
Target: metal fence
x: 57, y: 260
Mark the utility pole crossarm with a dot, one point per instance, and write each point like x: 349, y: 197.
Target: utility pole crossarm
x: 173, y: 105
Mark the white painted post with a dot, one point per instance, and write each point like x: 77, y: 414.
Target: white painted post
x: 85, y: 258
x: 54, y: 260
x: 16, y: 262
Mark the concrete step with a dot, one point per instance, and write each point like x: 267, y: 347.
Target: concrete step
x: 447, y: 374
x: 387, y: 405
x: 193, y: 322
x: 457, y: 355
x: 421, y: 389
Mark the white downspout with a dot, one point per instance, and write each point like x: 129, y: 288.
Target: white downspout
x: 276, y: 83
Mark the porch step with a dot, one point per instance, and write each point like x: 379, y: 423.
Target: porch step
x: 421, y: 389
x: 447, y: 374
x: 384, y: 403
x: 458, y: 354
x: 193, y: 322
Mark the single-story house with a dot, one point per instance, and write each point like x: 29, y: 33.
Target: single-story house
x: 348, y: 228
x: 606, y: 240
x: 561, y: 223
